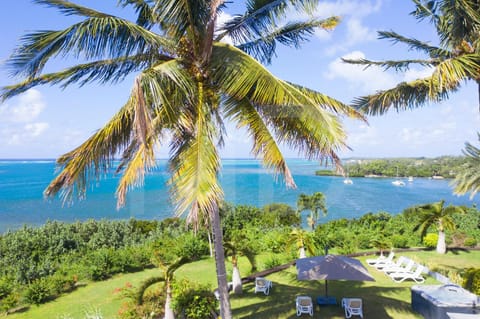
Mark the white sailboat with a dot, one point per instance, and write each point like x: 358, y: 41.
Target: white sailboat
x: 410, y: 179
x: 347, y: 180
x: 398, y: 182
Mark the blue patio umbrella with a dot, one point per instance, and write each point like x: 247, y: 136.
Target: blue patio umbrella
x: 331, y: 267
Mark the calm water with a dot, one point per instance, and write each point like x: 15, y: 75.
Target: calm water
x: 244, y: 182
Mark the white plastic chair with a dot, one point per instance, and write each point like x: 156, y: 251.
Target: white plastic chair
x: 387, y: 262
x: 304, y: 304
x: 413, y: 275
x: 353, y: 307
x: 380, y: 259
x: 263, y: 285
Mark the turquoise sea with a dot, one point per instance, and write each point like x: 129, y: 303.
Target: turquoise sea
x: 244, y: 181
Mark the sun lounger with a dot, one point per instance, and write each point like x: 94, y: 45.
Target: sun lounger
x: 407, y: 268
x: 262, y: 285
x: 413, y: 275
x: 304, y: 304
x: 390, y: 263
x: 381, y: 259
x: 353, y: 307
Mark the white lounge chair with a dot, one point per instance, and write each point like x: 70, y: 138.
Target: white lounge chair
x: 390, y: 263
x: 407, y: 268
x: 380, y: 259
x: 353, y: 307
x: 304, y: 304
x: 262, y: 285
x: 413, y: 275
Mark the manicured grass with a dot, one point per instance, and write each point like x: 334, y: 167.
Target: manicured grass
x: 382, y: 298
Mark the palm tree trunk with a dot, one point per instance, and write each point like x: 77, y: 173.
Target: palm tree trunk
x: 210, y: 243
x: 441, y: 246
x: 302, y: 252
x: 168, y: 309
x: 225, y: 310
x: 236, y: 280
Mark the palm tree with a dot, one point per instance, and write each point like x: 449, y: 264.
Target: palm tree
x: 168, y: 270
x: 454, y: 62
x: 303, y: 241
x: 239, y: 245
x: 467, y: 179
x: 437, y: 215
x: 187, y: 85
x: 313, y: 203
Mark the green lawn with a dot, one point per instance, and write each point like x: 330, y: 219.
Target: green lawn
x: 382, y: 298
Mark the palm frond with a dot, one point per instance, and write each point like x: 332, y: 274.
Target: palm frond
x: 181, y: 17
x: 264, y: 144
x: 94, y: 38
x: 104, y: 71
x: 468, y: 179
x: 195, y: 165
x: 144, y: 9
x: 93, y: 157
x: 414, y: 44
x: 261, y: 16
x: 293, y: 34
x: 405, y: 95
x: 70, y: 8
x: 398, y: 65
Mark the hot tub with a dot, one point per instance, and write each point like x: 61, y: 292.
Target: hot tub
x: 434, y: 301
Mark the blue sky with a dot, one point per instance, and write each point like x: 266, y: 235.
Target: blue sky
x: 47, y: 121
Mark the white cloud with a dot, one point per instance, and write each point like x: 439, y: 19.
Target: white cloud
x: 26, y: 109
x: 18, y: 119
x: 222, y: 18
x: 366, y: 80
x: 413, y: 74
x: 352, y: 14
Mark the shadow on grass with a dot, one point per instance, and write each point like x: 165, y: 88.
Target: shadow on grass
x: 281, y: 301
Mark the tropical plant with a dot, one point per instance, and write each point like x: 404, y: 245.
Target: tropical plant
x: 454, y: 62
x: 304, y: 241
x: 313, y: 203
x: 468, y: 178
x: 187, y: 85
x: 436, y: 214
x: 168, y: 270
x: 237, y: 244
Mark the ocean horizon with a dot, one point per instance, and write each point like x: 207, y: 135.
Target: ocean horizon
x: 245, y: 182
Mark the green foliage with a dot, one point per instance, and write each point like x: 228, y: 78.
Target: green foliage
x: 191, y: 246
x: 430, y: 240
x: 272, y: 261
x: 279, y: 215
x: 325, y: 172
x: 400, y: 241
x: 152, y: 305
x: 37, y: 292
x: 471, y: 280
x: 195, y: 301
x: 470, y: 242
x: 445, y: 166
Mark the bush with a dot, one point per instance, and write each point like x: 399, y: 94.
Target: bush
x: 37, y: 292
x: 399, y: 241
x: 470, y: 242
x: 471, y: 280
x: 191, y: 246
x: 195, y: 301
x: 430, y: 240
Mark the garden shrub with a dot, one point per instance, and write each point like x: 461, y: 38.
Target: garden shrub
x: 191, y: 246
x: 152, y: 306
x: 470, y: 242
x: 272, y: 262
x: 400, y: 241
x: 471, y: 280
x: 430, y: 240
x: 37, y: 292
x: 9, y: 302
x: 193, y: 300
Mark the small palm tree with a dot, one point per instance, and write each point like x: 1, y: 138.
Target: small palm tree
x: 314, y: 203
x: 239, y: 245
x: 467, y: 179
x: 168, y: 272
x: 437, y: 215
x: 304, y: 241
